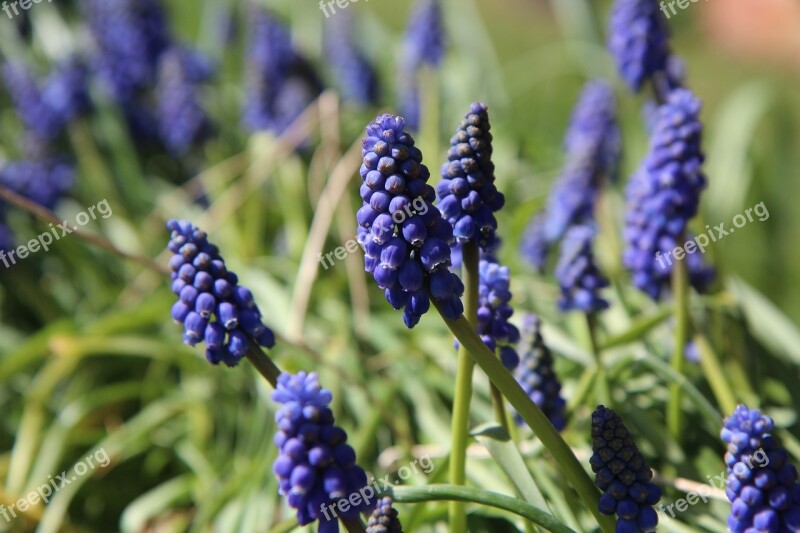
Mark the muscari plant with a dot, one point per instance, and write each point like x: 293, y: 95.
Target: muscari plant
x: 410, y: 232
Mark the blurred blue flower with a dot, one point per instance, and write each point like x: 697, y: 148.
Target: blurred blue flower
x: 425, y: 37
x: 280, y: 83
x: 315, y: 467
x: 212, y: 306
x: 762, y: 483
x: 638, y: 38
x: 536, y: 375
x: 622, y: 474
x: 182, y: 120
x: 384, y: 518
x: 494, y: 310
x: 578, y: 277
x: 406, y: 241
x: 356, y: 77
x: 664, y: 195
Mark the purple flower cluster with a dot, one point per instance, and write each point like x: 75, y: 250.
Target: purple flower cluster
x: 494, y: 311
x: 639, y: 40
x: 537, y: 377
x: 406, y: 240
x: 129, y: 37
x: 281, y: 83
x: 578, y: 277
x: 211, y: 305
x: 467, y: 195
x: 356, y: 77
x: 182, y: 120
x: 316, y: 467
x: 622, y: 474
x: 762, y: 484
x: 664, y: 195
x: 384, y: 518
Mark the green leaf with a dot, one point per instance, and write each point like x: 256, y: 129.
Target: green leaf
x: 766, y: 322
x: 506, y: 454
x: 638, y: 330
x: 491, y: 499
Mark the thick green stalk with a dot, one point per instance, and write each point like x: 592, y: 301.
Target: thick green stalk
x: 680, y: 291
x: 533, y: 416
x: 354, y: 526
x: 463, y: 394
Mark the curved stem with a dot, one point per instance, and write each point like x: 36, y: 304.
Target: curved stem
x: 265, y: 366
x: 490, y: 499
x: 680, y: 290
x: 532, y: 415
x: 463, y: 392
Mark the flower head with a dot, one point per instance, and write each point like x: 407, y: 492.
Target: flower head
x: 182, y: 120
x: 281, y: 83
x: 355, y: 75
x: 129, y: 37
x: 384, y: 518
x: 425, y: 38
x: 638, y: 40
x: 534, y: 246
x: 578, y: 276
x: 664, y: 195
x: 537, y: 377
x: 467, y: 195
x: 212, y: 306
x: 762, y: 484
x: 622, y: 474
x: 406, y: 241
x: 592, y: 144
x: 44, y: 180
x: 316, y: 467
x: 38, y: 117
x: 494, y: 311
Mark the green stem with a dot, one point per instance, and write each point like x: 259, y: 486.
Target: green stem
x: 490, y: 499
x: 532, y: 415
x: 463, y: 393
x: 499, y: 408
x: 265, y: 366
x: 603, y: 391
x: 680, y: 289
x: 716, y: 378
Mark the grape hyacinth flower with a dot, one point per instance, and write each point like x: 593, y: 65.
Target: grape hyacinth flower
x: 537, y: 377
x: 578, y: 276
x: 664, y: 195
x: 622, y: 474
x: 638, y: 40
x: 66, y: 89
x: 212, y: 306
x: 182, y: 120
x: 406, y: 241
x: 467, y: 195
x: 425, y: 38
x: 384, y: 518
x: 494, y: 311
x: 424, y: 44
x: 316, y: 467
x: 592, y: 144
x: 42, y: 180
x: 762, y: 485
x: 356, y: 77
x: 38, y: 117
x: 281, y: 83
x: 129, y: 37
x: 533, y: 246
